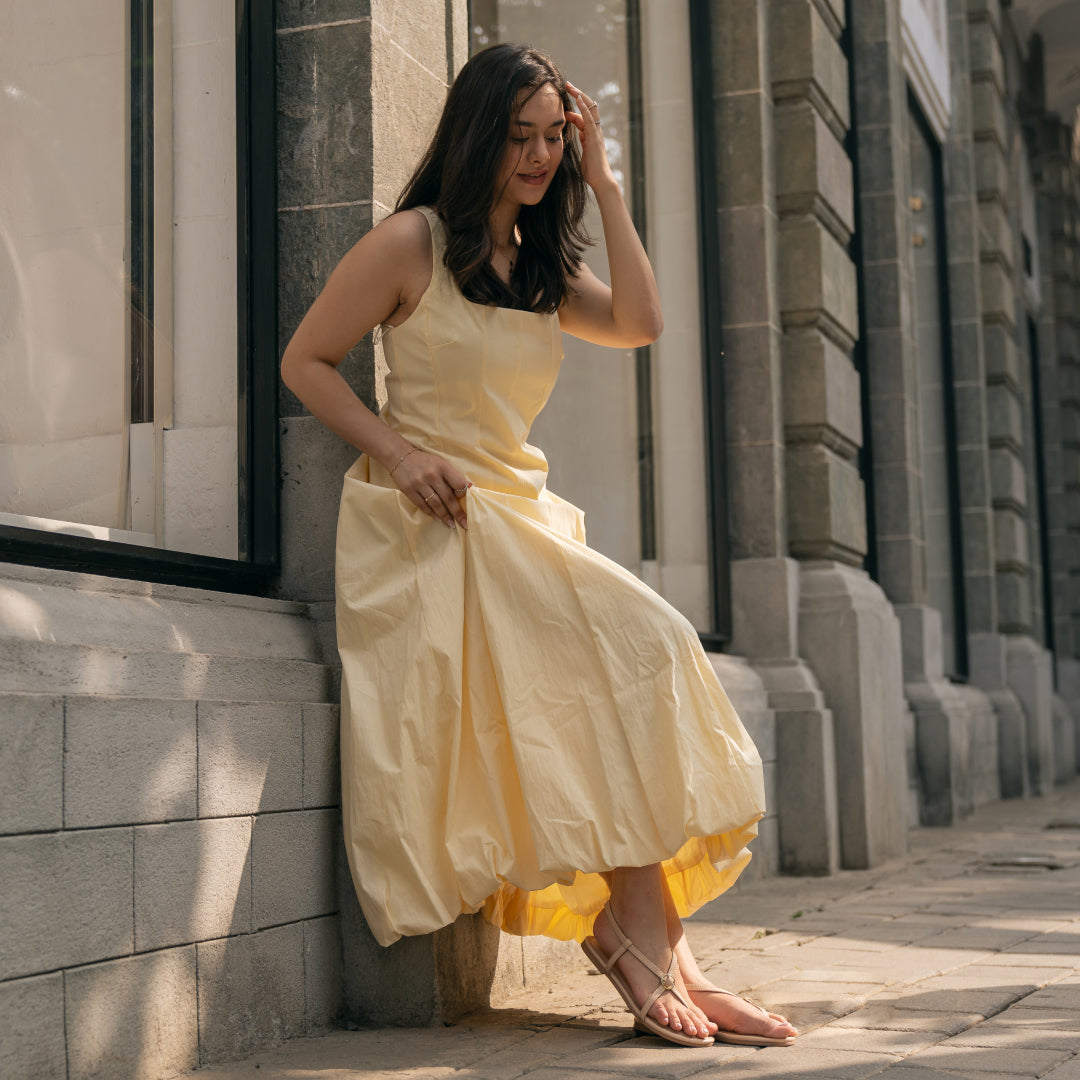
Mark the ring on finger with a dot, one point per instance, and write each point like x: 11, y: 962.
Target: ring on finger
x: 428, y: 498
x: 460, y: 491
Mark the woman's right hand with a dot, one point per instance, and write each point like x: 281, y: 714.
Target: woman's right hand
x: 434, y: 485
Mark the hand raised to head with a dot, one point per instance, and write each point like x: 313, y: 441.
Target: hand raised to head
x: 595, y: 167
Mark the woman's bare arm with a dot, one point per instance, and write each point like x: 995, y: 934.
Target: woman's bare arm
x: 381, y: 279
x: 628, y: 313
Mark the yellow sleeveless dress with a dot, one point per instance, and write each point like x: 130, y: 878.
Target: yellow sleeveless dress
x: 518, y: 712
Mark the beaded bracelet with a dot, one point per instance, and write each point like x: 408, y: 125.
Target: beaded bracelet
x: 403, y: 457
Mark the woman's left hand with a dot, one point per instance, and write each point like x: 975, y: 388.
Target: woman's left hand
x: 595, y: 168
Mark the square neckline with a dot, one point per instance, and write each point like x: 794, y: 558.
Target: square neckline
x: 437, y: 266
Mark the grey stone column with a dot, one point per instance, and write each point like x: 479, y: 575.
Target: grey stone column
x: 985, y: 646
x: 765, y: 605
x: 1005, y: 428
x: 764, y: 579
x: 822, y: 425
x: 840, y: 611
x: 746, y: 224
x: 892, y: 372
x: 1027, y: 669
x: 1059, y: 334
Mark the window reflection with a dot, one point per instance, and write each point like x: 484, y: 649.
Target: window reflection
x: 63, y: 187
x: 118, y: 272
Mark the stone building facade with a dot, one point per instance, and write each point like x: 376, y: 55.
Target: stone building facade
x: 852, y: 460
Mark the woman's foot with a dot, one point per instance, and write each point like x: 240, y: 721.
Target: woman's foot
x: 638, y: 906
x: 728, y: 1013
x: 739, y: 1020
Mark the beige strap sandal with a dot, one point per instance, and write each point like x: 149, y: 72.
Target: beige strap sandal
x: 642, y: 1020
x: 735, y: 1037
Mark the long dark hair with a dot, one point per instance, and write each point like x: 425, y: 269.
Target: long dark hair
x: 459, y: 172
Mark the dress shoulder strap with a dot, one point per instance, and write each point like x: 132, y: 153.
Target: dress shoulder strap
x: 438, y: 240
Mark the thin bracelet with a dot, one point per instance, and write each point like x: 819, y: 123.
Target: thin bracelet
x: 403, y: 457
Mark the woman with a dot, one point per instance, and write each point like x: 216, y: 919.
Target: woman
x: 527, y: 730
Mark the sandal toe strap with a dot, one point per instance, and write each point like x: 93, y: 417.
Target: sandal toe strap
x: 706, y: 988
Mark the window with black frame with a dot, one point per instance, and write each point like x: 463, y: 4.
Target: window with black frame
x: 137, y: 222
x: 937, y: 427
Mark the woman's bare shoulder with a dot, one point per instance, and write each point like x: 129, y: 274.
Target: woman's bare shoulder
x: 404, y: 234
x: 403, y: 242
x: 395, y: 254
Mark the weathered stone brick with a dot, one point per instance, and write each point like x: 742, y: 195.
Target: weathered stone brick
x: 986, y: 56
x: 749, y: 382
x: 995, y: 233
x: 751, y: 231
x: 985, y: 10
x: 321, y: 125
x: 821, y: 389
x: 805, y: 54
x: 250, y: 757
x: 811, y: 165
x: 295, y: 13
x: 322, y: 972
x: 1014, y: 602
x: 988, y: 113
x: 406, y: 99
x: 738, y: 32
x: 899, y: 500
x: 826, y: 505
x: 66, y: 899
x: 743, y: 179
x: 1004, y: 420
x: 998, y: 292
x: 128, y: 760
x: 251, y: 992
x: 192, y: 881
x: 1010, y: 538
x: 1002, y: 360
x: 32, y: 1032
x: 991, y: 169
x: 31, y: 762
x: 292, y: 866
x: 134, y: 1017
x: 313, y: 451
x: 322, y: 764
x: 817, y: 278
x: 1008, y: 480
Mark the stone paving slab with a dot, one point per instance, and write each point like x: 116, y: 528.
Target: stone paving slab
x: 1070, y: 1070
x: 994, y: 1059
x: 936, y: 966
x: 1023, y: 1031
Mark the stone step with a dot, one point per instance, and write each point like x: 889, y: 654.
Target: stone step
x: 68, y: 633
x: 46, y: 667
x: 67, y: 608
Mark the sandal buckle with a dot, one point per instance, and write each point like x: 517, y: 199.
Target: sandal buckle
x: 667, y: 981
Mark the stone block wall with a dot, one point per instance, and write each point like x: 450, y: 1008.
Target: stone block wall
x: 817, y: 294
x: 968, y: 356
x: 1058, y: 186
x: 168, y: 824
x: 998, y: 304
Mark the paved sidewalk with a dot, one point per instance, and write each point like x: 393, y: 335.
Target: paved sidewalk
x: 960, y: 960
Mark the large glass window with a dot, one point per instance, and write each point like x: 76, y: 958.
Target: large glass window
x: 124, y: 413
x: 625, y: 432
x: 936, y: 404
